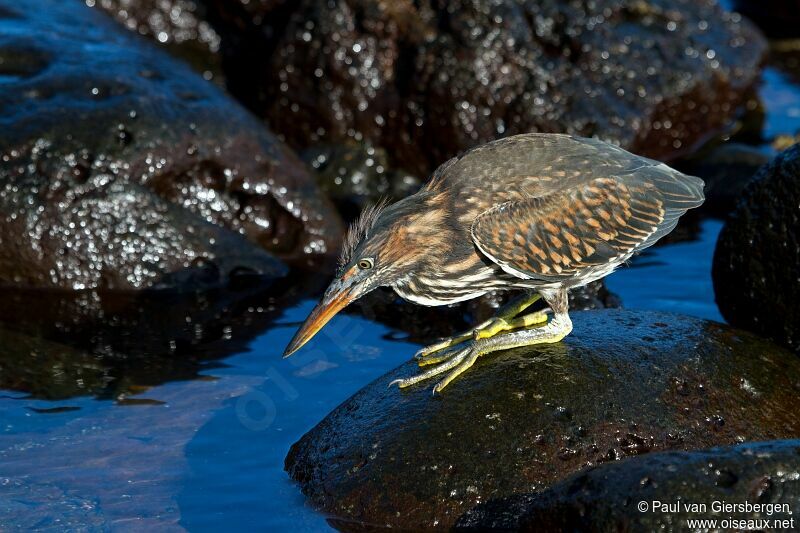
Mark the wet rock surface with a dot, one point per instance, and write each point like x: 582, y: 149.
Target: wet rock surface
x: 427, y: 80
x: 182, y: 26
x: 121, y: 167
x: 623, y: 384
x: 354, y: 175
x: 606, y: 498
x: 757, y: 259
x: 103, y: 234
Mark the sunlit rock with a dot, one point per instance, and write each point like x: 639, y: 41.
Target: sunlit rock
x: 622, y: 384
x: 660, y: 492
x: 182, y: 26
x: 121, y: 167
x: 756, y: 268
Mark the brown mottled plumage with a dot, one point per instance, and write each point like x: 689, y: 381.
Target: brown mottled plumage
x: 544, y: 212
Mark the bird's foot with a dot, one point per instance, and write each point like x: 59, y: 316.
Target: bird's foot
x: 484, y: 330
x: 461, y: 358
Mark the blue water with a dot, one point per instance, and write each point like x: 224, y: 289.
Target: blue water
x: 287, y: 398
x: 210, y: 457
x: 673, y: 277
x: 782, y: 102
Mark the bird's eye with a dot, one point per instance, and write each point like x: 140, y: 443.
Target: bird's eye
x: 366, y: 264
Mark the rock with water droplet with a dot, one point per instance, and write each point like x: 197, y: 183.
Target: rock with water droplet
x: 756, y: 267
x: 426, y: 80
x: 356, y: 174
x: 608, y: 497
x: 622, y: 384
x: 121, y: 167
x: 182, y: 26
x: 106, y: 234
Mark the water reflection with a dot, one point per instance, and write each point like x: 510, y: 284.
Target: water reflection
x: 113, y: 345
x: 294, y: 395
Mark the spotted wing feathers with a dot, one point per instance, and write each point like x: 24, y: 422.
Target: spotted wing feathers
x: 600, y: 222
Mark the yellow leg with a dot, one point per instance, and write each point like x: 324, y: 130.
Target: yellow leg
x: 501, y: 324
x: 502, y: 321
x: 489, y: 329
x: 461, y: 358
x: 525, y: 331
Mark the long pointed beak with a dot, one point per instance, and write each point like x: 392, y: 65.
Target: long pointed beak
x: 322, y: 313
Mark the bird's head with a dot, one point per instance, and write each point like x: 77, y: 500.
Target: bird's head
x: 380, y: 248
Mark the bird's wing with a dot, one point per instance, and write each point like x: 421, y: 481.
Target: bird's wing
x: 606, y: 219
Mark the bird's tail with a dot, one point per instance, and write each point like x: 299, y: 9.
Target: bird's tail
x: 679, y: 193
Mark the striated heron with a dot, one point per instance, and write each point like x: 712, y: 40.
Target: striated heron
x: 541, y: 212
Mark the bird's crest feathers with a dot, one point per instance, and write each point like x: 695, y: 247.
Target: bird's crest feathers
x: 359, y: 230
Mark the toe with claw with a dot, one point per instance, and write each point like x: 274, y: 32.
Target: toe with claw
x: 459, y: 359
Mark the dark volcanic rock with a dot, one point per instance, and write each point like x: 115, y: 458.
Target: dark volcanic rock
x: 726, y: 170
x: 180, y: 25
x: 778, y: 18
x: 355, y: 175
x: 756, y: 265
x: 606, y: 498
x: 116, y: 160
x: 106, y: 234
x: 622, y: 384
x: 592, y: 296
x: 425, y: 80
